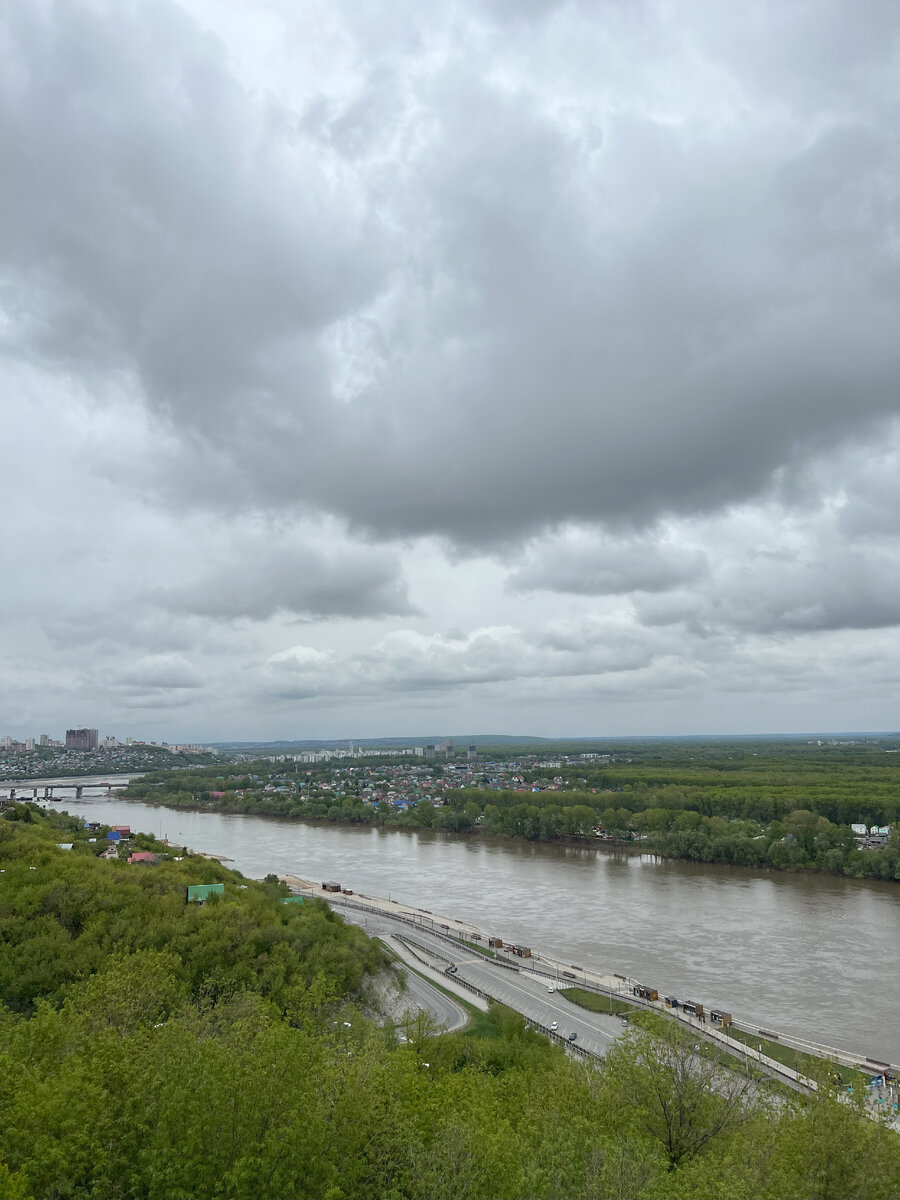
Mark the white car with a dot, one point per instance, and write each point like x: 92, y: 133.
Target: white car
x: 554, y: 1024
x: 551, y: 988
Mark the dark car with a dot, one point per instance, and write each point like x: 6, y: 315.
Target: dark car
x: 451, y: 970
x: 572, y: 1037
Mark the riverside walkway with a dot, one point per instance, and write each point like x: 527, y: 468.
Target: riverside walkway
x: 455, y: 932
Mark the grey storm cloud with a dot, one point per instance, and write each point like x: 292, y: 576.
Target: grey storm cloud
x: 782, y: 574
x: 153, y: 682
x: 154, y: 223
x: 846, y: 589
x: 568, y: 326
x: 96, y: 628
x: 598, y: 567
x: 406, y: 660
x: 165, y: 671
x: 259, y: 580
x: 546, y: 306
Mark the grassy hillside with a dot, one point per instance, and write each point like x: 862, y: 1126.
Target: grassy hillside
x: 152, y: 1048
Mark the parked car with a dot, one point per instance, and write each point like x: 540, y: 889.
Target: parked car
x: 554, y: 1024
x: 451, y: 970
x: 572, y: 1036
x: 551, y: 988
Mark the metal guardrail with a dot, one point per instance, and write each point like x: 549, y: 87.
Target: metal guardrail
x: 411, y: 946
x: 552, y: 1034
x: 437, y: 932
x: 701, y: 1029
x: 820, y: 1050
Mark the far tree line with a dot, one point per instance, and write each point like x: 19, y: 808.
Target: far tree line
x: 780, y: 813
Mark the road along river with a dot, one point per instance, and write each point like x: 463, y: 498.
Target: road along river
x: 811, y: 955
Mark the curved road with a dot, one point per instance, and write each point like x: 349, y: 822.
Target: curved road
x: 528, y: 994
x: 446, y: 1012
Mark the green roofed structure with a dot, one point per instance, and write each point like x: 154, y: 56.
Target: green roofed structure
x: 198, y: 893
x: 292, y: 900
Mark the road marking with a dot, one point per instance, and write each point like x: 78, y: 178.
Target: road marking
x: 499, y: 980
x: 515, y: 986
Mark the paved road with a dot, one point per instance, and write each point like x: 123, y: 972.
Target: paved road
x: 531, y: 996
x: 521, y: 990
x: 446, y: 1012
x: 598, y: 1029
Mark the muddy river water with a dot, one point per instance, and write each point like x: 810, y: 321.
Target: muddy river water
x: 813, y: 955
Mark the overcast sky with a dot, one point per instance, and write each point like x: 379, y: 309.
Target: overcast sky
x: 507, y: 366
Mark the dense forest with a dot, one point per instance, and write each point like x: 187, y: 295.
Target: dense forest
x: 785, y: 806
x: 160, y: 1049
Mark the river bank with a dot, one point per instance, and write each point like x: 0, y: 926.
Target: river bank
x: 782, y: 1054
x: 784, y: 854
x: 791, y: 951
x: 794, y: 814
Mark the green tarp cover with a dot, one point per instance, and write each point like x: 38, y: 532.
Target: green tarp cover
x: 202, y: 891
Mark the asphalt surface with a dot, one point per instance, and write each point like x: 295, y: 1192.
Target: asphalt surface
x: 521, y: 990
x: 446, y: 1012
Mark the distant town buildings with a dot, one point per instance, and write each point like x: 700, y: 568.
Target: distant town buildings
x: 81, y: 739
x: 874, y: 838
x: 84, y: 741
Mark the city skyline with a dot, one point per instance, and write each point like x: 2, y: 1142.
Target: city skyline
x: 525, y: 367
x: 81, y: 738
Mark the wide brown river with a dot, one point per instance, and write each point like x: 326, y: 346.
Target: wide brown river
x: 813, y: 955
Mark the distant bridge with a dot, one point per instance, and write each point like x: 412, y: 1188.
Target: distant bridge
x: 20, y: 791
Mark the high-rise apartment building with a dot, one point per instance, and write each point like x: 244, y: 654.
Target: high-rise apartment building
x: 81, y: 739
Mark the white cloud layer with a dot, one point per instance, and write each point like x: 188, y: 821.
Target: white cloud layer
x: 515, y: 366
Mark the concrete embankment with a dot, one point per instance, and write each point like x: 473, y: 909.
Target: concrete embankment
x: 613, y: 984
x: 432, y: 970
